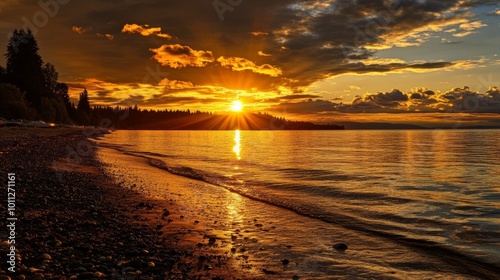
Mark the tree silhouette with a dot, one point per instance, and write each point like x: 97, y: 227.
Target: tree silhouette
x: 49, y: 80
x: 2, y: 74
x: 62, y: 93
x: 83, y: 103
x: 24, y: 66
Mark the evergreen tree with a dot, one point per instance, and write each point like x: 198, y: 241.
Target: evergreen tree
x: 2, y: 75
x: 62, y: 93
x: 49, y: 80
x: 83, y: 103
x: 24, y: 66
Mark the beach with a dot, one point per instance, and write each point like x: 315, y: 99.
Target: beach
x: 74, y: 222
x: 90, y: 208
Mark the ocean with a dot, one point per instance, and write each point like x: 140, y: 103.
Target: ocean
x: 408, y: 203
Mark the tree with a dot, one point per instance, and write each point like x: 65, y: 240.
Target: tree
x: 2, y: 74
x: 83, y: 103
x: 13, y: 104
x: 24, y: 66
x: 62, y: 93
x: 49, y: 80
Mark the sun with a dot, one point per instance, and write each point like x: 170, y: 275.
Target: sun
x: 237, y: 106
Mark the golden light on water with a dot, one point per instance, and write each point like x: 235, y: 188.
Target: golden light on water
x: 237, y: 148
x: 237, y: 106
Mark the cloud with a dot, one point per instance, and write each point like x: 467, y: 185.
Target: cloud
x: 144, y: 30
x: 310, y: 41
x: 176, y: 84
x: 81, y: 30
x: 107, y: 36
x: 353, y: 87
x: 261, y: 53
x: 305, y: 107
x: 421, y: 100
x: 259, y: 33
x: 469, y: 28
x: 177, y: 56
x: 242, y: 64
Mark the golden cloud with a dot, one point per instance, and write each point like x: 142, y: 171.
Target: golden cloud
x: 175, y: 84
x: 469, y: 28
x: 259, y: 33
x: 242, y: 64
x: 81, y: 30
x: 107, y: 36
x: 261, y: 53
x: 177, y: 56
x: 144, y: 30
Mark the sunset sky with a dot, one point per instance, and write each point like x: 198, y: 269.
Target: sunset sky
x: 399, y: 61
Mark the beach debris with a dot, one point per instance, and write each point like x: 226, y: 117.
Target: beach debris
x: 165, y: 213
x: 266, y: 271
x: 211, y: 240
x: 340, y: 246
x: 285, y: 261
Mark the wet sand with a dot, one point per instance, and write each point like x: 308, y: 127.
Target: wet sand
x: 75, y: 223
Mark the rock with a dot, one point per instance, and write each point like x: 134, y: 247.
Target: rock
x: 268, y: 271
x: 340, y: 246
x: 295, y: 277
x: 86, y: 275
x: 211, y: 240
x: 285, y: 261
x: 141, y: 204
x: 151, y: 264
x: 46, y: 256
x: 165, y: 213
x: 137, y: 263
x: 4, y: 277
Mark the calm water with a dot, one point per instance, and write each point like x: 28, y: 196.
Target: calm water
x: 421, y: 189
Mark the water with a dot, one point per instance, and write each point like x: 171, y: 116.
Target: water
x: 434, y: 191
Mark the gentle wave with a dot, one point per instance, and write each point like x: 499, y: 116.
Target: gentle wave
x: 452, y: 255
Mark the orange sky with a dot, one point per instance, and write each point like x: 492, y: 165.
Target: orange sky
x: 397, y: 61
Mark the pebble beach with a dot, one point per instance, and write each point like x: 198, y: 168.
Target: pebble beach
x: 74, y: 222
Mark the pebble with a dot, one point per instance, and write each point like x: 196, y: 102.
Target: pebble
x: 285, y: 261
x: 165, y: 213
x: 86, y: 275
x: 295, y: 277
x: 340, y: 246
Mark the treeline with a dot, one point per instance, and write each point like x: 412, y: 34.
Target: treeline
x: 30, y: 89
x: 136, y: 118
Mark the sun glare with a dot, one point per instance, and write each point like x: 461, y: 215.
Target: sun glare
x: 237, y: 106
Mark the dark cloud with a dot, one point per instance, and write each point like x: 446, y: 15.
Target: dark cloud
x: 457, y: 100
x: 303, y: 41
x: 305, y: 107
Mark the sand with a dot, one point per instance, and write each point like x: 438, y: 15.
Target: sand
x: 75, y: 222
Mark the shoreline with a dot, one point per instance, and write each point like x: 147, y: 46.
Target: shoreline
x: 81, y: 218
x: 74, y: 222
